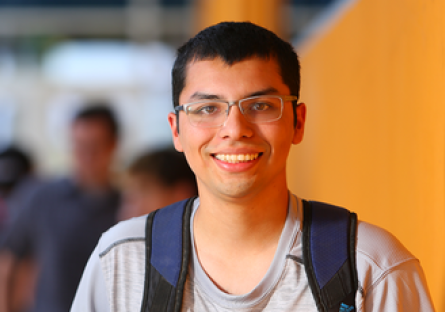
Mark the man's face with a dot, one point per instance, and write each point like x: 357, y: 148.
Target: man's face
x: 92, y: 149
x: 269, y: 143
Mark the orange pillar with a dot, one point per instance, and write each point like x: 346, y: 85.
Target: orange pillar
x: 374, y: 85
x: 265, y: 13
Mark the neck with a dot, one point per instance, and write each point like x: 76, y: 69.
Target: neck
x: 236, y: 240
x: 243, y: 224
x: 93, y: 185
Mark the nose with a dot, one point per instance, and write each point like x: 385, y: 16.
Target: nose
x: 236, y: 125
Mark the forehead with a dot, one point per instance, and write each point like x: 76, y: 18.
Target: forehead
x: 91, y: 128
x: 242, y: 78
x: 90, y: 123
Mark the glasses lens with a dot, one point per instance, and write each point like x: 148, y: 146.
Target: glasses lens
x: 207, y: 114
x: 262, y: 109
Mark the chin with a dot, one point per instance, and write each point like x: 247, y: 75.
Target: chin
x: 238, y: 190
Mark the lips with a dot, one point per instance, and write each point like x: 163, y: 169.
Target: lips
x: 237, y: 158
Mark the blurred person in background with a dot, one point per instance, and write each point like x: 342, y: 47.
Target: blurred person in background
x: 157, y: 179
x: 15, y: 170
x: 16, y: 180
x: 60, y: 223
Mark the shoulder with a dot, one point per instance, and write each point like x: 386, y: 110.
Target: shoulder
x: 49, y: 190
x: 124, y: 233
x: 56, y: 183
x: 390, y: 277
x: 381, y: 257
x: 133, y: 230
x: 379, y: 246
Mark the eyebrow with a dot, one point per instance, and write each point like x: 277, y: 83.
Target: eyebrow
x: 205, y: 96
x: 267, y: 91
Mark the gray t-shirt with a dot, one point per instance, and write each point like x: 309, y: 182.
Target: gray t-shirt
x: 283, y: 288
x: 390, y: 278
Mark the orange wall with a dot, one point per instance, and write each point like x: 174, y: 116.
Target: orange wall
x: 374, y: 84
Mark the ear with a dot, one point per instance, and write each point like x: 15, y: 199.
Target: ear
x: 175, y: 131
x: 299, y: 128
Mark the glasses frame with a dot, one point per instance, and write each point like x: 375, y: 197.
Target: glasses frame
x: 283, y: 98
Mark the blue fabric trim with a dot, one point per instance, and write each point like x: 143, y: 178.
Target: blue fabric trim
x: 329, y: 240
x: 166, y: 254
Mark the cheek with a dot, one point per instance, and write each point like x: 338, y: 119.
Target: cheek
x: 192, y: 139
x: 194, y: 143
x: 279, y: 139
x: 192, y: 155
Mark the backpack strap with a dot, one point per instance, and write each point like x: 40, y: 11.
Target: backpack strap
x: 167, y: 241
x: 329, y: 240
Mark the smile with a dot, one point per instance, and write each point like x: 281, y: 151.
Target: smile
x: 236, y: 158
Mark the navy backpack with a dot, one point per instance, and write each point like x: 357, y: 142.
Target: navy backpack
x: 329, y: 240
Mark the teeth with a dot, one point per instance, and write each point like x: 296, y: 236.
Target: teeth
x: 236, y: 158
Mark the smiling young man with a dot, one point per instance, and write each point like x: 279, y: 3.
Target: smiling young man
x: 235, y: 92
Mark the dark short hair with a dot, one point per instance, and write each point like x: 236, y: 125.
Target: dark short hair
x: 166, y: 165
x: 15, y: 165
x: 234, y: 42
x: 101, y: 112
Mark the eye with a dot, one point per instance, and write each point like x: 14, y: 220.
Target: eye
x: 207, y: 109
x: 260, y: 106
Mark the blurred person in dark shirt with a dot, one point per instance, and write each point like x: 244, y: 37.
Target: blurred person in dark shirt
x: 17, y: 179
x: 156, y: 179
x: 61, y: 221
x: 16, y: 168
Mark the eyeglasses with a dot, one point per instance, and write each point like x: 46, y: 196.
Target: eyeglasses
x: 256, y: 109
